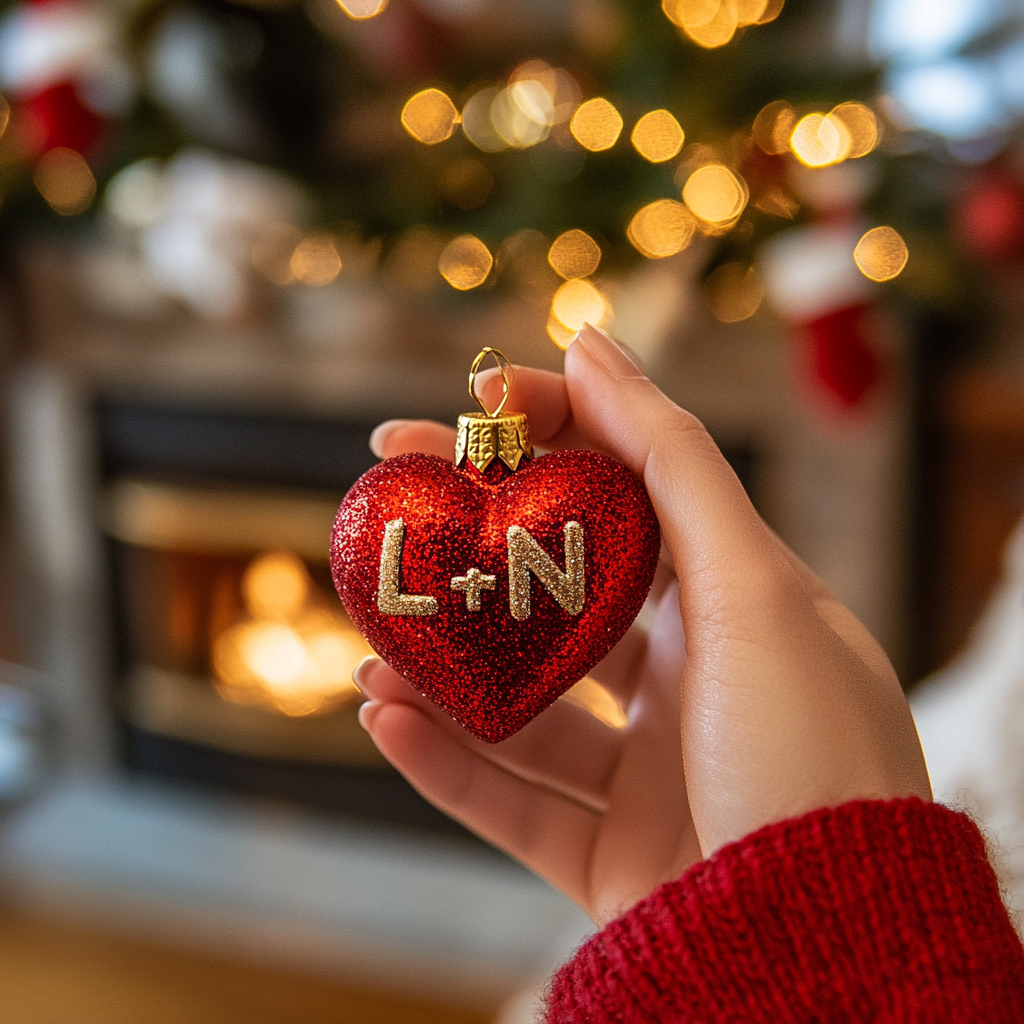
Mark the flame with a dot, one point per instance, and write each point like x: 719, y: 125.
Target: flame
x: 288, y: 653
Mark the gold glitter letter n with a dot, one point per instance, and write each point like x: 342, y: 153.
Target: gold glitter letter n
x: 525, y: 555
x: 390, y: 600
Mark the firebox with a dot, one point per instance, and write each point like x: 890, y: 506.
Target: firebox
x: 234, y: 656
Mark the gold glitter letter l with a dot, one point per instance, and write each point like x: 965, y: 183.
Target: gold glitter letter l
x: 390, y: 600
x: 525, y: 555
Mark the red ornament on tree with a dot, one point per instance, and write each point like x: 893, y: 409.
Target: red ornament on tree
x: 495, y: 583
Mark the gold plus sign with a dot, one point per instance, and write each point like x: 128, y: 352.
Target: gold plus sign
x: 472, y: 583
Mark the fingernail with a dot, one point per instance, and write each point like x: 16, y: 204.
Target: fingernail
x: 360, y: 670
x: 380, y: 435
x: 609, y: 354
x: 367, y: 713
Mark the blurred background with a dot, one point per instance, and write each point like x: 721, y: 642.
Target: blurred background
x: 236, y: 234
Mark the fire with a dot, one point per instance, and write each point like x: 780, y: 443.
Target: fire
x: 288, y: 653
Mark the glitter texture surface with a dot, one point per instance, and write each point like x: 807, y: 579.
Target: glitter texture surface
x: 490, y: 671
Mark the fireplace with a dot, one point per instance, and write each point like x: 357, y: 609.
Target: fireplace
x: 233, y: 655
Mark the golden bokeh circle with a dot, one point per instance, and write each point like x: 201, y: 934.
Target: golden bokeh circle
x: 657, y: 136
x: 574, y: 254
x: 733, y: 292
x: 819, y: 140
x: 361, y: 10
x: 465, y: 262
x: 430, y: 117
x: 596, y: 125
x: 315, y: 261
x: 881, y: 254
x: 65, y: 181
x: 861, y: 123
x: 714, y: 194
x: 773, y: 126
x: 719, y: 30
x: 661, y: 228
x: 578, y: 302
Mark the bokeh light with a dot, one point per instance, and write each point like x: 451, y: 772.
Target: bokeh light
x: 465, y: 262
x: 657, y: 136
x: 560, y: 86
x: 476, y: 121
x: 65, y: 181
x: 467, y: 183
x: 271, y: 254
x: 697, y: 16
x: 574, y: 254
x: 523, y: 113
x: 714, y: 194
x: 773, y: 127
x: 578, y: 302
x: 430, y: 117
x: 315, y: 261
x: 275, y: 585
x: 881, y: 254
x: 661, y: 228
x: 709, y: 23
x: 819, y: 140
x: 733, y: 292
x: 777, y: 202
x: 360, y: 10
x: 861, y: 123
x: 596, y: 125
x: 593, y: 697
x: 5, y: 114
x: 750, y: 12
x: 771, y: 11
x: 289, y: 654
x: 561, y: 335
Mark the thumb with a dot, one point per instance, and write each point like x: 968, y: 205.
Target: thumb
x: 708, y: 523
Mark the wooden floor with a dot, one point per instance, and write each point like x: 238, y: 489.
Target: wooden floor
x: 54, y: 973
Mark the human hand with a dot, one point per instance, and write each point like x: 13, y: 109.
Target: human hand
x: 752, y: 695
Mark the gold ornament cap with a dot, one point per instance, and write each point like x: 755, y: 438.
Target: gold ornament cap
x: 488, y: 435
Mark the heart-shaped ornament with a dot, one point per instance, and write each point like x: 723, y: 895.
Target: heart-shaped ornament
x: 496, y: 583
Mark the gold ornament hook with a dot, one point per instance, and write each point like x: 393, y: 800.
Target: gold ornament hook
x: 504, y: 368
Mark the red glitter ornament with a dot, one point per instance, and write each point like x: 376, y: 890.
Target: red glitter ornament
x: 496, y: 583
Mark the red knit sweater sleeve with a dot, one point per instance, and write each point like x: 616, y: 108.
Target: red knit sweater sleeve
x: 880, y: 911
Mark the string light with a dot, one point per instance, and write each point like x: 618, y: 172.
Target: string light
x: 574, y: 254
x: 657, y: 136
x: 661, y: 228
x: 881, y: 254
x: 596, y: 125
x: 465, y: 262
x: 65, y: 181
x: 430, y: 117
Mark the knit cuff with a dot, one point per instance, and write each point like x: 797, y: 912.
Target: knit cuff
x: 873, y: 911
